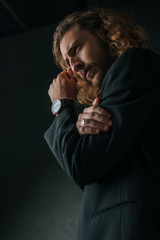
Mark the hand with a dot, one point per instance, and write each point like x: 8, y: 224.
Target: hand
x: 96, y: 119
x: 64, y: 86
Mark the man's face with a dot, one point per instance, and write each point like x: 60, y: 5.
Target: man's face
x: 86, y: 54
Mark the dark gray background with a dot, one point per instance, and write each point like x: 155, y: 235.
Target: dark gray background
x: 37, y: 200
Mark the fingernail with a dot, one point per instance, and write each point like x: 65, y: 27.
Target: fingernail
x: 106, y: 128
x: 110, y: 123
x: 97, y: 131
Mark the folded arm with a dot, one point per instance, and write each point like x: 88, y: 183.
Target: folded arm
x: 130, y: 95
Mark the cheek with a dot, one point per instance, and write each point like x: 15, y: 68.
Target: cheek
x: 93, y: 54
x: 87, y: 54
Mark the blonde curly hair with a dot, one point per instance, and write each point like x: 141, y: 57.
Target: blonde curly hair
x: 86, y: 91
x: 121, y: 31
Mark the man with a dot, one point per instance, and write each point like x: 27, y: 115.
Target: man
x: 117, y: 164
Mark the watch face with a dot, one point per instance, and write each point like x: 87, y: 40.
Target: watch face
x: 56, y: 106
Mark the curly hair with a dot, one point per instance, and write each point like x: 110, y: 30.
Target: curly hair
x: 120, y: 28
x: 86, y: 91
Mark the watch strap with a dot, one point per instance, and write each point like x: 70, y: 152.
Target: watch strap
x: 64, y: 102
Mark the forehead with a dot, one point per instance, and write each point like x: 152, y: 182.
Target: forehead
x: 71, y: 37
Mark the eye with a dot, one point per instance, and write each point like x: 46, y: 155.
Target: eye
x: 77, y: 48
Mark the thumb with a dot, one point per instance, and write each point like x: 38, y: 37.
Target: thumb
x: 96, y: 101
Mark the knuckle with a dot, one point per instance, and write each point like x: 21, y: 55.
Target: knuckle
x: 94, y: 107
x: 106, y: 128
x: 108, y: 121
x: 88, y: 130
x: 109, y: 115
x: 92, y: 130
x: 102, y: 111
x: 77, y: 124
x: 83, y: 130
x: 79, y: 129
x: 88, y: 109
x: 92, y: 114
x: 102, y: 118
x: 79, y: 117
x: 96, y: 124
x: 85, y: 110
x: 60, y: 74
x: 87, y: 122
x: 59, y: 78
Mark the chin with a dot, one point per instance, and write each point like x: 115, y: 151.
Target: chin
x: 97, y: 81
x: 96, y: 84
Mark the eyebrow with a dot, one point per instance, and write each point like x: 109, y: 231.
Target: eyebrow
x: 70, y: 48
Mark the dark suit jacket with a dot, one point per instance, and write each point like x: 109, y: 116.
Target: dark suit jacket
x: 119, y: 169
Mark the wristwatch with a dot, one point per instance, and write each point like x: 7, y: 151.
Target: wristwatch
x: 59, y: 104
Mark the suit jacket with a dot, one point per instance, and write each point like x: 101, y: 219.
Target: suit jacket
x: 119, y: 169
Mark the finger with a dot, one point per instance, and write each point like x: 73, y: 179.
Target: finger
x: 98, y: 110
x: 62, y: 74
x: 66, y: 76
x: 96, y: 125
x: 88, y: 130
x: 70, y: 74
x: 69, y: 70
x: 99, y: 118
x: 50, y: 86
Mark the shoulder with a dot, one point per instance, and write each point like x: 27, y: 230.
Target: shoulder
x: 135, y: 60
x: 138, y: 56
x: 136, y: 70
x: 138, y: 53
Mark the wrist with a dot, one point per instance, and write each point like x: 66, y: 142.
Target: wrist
x: 59, y: 104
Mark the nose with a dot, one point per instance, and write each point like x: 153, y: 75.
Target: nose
x: 76, y: 65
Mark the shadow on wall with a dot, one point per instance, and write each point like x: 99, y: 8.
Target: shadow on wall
x: 37, y: 198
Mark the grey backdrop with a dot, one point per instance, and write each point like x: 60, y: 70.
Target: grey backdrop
x: 38, y: 201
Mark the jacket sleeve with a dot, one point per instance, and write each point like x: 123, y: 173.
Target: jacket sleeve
x: 130, y: 90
